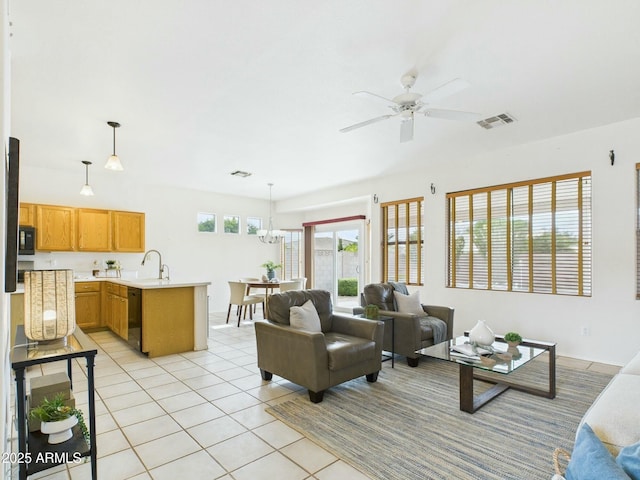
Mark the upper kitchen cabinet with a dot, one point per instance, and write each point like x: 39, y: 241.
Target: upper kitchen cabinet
x: 94, y: 230
x: 84, y: 229
x: 56, y: 228
x: 128, y: 231
x: 27, y: 214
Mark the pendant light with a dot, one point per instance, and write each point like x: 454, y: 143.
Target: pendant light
x: 113, y: 163
x: 86, y: 188
x: 270, y: 235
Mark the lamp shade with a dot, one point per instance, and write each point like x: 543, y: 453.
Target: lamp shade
x: 49, y: 304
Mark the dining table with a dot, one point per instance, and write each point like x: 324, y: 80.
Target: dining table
x: 268, y: 290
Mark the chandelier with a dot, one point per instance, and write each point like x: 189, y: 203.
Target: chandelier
x: 270, y: 235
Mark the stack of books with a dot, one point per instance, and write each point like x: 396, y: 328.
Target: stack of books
x: 467, y: 351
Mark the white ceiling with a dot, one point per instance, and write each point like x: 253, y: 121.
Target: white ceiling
x: 205, y: 87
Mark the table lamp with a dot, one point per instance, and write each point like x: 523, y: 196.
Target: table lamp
x: 49, y: 304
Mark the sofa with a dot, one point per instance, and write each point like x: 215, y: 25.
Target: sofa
x: 303, y: 341
x: 608, y: 437
x: 414, y: 326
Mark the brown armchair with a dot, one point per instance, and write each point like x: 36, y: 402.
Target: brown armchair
x: 412, y: 332
x: 344, y: 349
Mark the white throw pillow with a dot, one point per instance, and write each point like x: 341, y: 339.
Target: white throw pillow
x: 409, y: 303
x: 305, y: 317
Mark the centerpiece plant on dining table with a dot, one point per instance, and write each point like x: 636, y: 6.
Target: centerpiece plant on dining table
x: 271, y: 268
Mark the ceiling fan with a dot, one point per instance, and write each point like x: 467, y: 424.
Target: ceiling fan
x: 408, y: 104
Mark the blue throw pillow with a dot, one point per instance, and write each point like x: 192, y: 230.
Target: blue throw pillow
x: 590, y: 459
x: 629, y: 460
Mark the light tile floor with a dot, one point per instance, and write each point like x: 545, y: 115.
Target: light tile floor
x: 198, y: 415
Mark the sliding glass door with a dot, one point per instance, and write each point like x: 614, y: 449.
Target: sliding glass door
x: 338, y: 262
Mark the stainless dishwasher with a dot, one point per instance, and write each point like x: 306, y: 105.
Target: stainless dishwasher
x: 134, y: 295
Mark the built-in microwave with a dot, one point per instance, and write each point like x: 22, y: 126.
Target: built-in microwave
x: 26, y: 240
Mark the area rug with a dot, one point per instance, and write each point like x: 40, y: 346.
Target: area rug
x: 408, y: 424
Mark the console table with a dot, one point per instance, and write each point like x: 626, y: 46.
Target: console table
x: 33, y: 447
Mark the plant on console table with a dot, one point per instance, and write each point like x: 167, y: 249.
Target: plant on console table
x: 57, y: 419
x: 271, y: 268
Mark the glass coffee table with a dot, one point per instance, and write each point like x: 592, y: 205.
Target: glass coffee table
x: 501, y: 363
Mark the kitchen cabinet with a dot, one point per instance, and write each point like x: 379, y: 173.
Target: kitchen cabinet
x: 56, y: 228
x: 128, y: 231
x: 88, y: 303
x: 168, y: 320
x: 116, y: 309
x: 27, y: 214
x: 17, y: 312
x: 61, y: 228
x: 93, y: 230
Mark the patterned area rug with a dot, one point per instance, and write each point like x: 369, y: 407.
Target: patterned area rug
x: 408, y: 424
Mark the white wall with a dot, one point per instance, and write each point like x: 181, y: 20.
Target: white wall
x: 171, y: 228
x: 611, y: 314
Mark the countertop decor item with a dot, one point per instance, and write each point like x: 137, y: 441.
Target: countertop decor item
x: 57, y: 419
x: 481, y: 334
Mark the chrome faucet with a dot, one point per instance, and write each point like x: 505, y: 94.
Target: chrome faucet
x: 160, y: 265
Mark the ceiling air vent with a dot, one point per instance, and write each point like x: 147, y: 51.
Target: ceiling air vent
x: 240, y: 173
x: 496, y: 121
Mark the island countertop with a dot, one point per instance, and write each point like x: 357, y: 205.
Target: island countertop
x: 145, y: 283
x: 142, y: 283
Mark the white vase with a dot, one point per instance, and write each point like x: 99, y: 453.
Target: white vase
x: 59, y: 431
x: 481, y: 334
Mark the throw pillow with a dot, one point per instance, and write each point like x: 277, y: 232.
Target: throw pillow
x: 590, y: 459
x: 629, y: 460
x: 409, y: 303
x: 305, y: 317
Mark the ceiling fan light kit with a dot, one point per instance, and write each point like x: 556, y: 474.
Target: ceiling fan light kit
x: 407, y: 104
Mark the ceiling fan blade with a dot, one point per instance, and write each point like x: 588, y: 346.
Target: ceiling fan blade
x: 452, y: 115
x: 406, y: 130
x: 364, y: 93
x: 365, y: 123
x: 454, y: 86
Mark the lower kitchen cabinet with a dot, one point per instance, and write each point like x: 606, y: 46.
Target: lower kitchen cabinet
x: 88, y: 305
x: 116, y: 309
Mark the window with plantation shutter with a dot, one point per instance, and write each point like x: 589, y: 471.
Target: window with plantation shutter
x: 532, y: 236
x: 402, y: 241
x: 291, y: 250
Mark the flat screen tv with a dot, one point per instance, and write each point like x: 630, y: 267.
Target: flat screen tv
x: 11, y: 215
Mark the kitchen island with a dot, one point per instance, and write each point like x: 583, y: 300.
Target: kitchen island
x: 157, y: 317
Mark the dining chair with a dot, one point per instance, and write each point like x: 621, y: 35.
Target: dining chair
x: 238, y: 296
x: 249, y: 289
x: 287, y: 285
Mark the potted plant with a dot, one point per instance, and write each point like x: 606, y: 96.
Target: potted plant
x: 271, y: 268
x: 57, y: 419
x: 111, y: 264
x: 513, y: 339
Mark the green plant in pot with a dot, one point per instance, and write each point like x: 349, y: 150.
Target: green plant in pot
x: 513, y: 339
x: 57, y: 419
x: 271, y: 268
